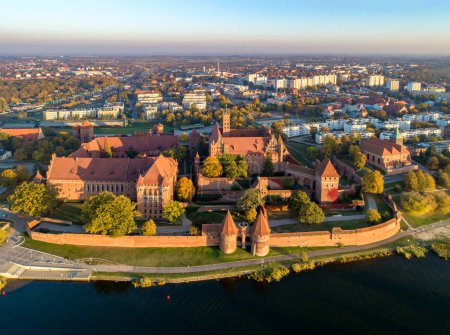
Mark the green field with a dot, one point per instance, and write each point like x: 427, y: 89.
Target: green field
x: 420, y: 220
x: 68, y: 211
x: 298, y: 151
x: 299, y: 227
x: 153, y: 256
x: 130, y: 129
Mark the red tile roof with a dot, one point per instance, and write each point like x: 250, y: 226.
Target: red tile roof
x: 261, y: 227
x: 382, y: 147
x: 326, y: 169
x: 228, y: 226
x: 28, y: 134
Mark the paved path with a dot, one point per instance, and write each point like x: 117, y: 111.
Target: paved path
x: 371, y: 203
x: 175, y: 229
x: 23, y: 263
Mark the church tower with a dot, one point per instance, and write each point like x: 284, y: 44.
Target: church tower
x: 397, y: 138
x: 226, y: 123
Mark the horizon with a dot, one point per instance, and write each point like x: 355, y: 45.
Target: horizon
x: 288, y: 28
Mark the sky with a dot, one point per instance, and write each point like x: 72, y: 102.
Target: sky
x: 224, y: 27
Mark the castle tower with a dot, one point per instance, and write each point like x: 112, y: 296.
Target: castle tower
x: 397, y: 138
x: 226, y: 124
x: 327, y: 182
x: 228, y: 235
x: 86, y: 131
x: 261, y: 235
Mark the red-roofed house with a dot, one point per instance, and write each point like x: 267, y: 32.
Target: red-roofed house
x: 29, y: 135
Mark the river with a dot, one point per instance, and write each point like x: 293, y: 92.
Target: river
x: 382, y: 296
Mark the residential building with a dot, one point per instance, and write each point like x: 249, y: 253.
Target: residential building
x: 413, y: 87
x: 375, y: 80
x: 196, y: 98
x: 393, y: 85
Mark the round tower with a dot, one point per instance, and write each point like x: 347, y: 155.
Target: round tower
x: 261, y: 235
x: 228, y: 235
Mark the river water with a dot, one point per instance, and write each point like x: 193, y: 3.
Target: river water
x: 382, y: 296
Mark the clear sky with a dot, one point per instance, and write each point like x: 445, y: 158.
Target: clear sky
x: 147, y: 27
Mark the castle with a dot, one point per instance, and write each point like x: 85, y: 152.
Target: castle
x: 255, y: 145
x: 150, y: 180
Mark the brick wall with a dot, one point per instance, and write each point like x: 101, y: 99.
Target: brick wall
x: 210, y: 237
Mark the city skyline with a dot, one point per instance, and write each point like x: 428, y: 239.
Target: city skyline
x: 223, y: 28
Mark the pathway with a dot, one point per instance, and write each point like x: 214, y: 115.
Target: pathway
x: 371, y: 203
x: 175, y: 229
x: 23, y: 263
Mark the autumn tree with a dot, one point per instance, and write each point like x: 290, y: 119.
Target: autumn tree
x: 212, y: 167
x: 33, y: 199
x: 107, y: 151
x: 173, y: 211
x: 373, y: 182
x: 149, y: 228
x: 311, y: 213
x: 312, y: 153
x: 185, y: 189
x: 109, y: 214
x: 373, y: 216
x: 359, y: 160
x: 250, y: 215
x: 250, y: 199
x: 433, y: 163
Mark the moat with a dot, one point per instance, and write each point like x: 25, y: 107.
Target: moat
x: 381, y: 296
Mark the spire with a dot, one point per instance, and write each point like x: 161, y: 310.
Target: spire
x: 228, y: 226
x: 261, y: 227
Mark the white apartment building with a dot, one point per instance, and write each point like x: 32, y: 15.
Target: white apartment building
x: 354, y: 126
x: 375, y: 80
x: 407, y: 134
x: 109, y: 112
x: 148, y: 97
x: 151, y: 112
x: 293, y: 130
x: 393, y: 85
x: 319, y: 80
x: 413, y: 86
x: 197, y: 98
x: 319, y: 137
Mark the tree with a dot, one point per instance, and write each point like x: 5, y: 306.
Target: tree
x: 32, y: 199
x: 311, y: 213
x: 312, y: 153
x: 297, y: 201
x: 212, y: 167
x: 359, y: 160
x: 114, y: 215
x: 8, y: 178
x: 195, y: 229
x: 92, y: 203
x: 410, y: 183
x: 149, y: 228
x: 433, y: 163
x: 268, y: 169
x: 231, y: 170
x: 107, y: 151
x: 329, y: 145
x: 373, y: 182
x: 443, y: 178
x: 250, y: 215
x: 185, y: 189
x: 373, y: 216
x: 250, y: 199
x: 417, y: 203
x: 173, y: 211
x: 3, y: 105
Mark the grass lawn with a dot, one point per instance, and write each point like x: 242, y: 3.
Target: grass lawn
x: 69, y: 211
x: 130, y: 129
x: 420, y: 220
x: 298, y: 151
x: 332, y: 212
x: 382, y: 206
x: 213, y: 217
x: 154, y: 256
x: 298, y: 227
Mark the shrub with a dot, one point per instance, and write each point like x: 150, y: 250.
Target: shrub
x: 410, y: 251
x: 441, y: 249
x: 3, y: 282
x: 149, y: 228
x: 250, y: 215
x: 195, y: 229
x: 3, y: 236
x: 304, y: 266
x: 143, y: 282
x: 397, y: 188
x: 373, y: 216
x: 417, y: 203
x: 270, y: 274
